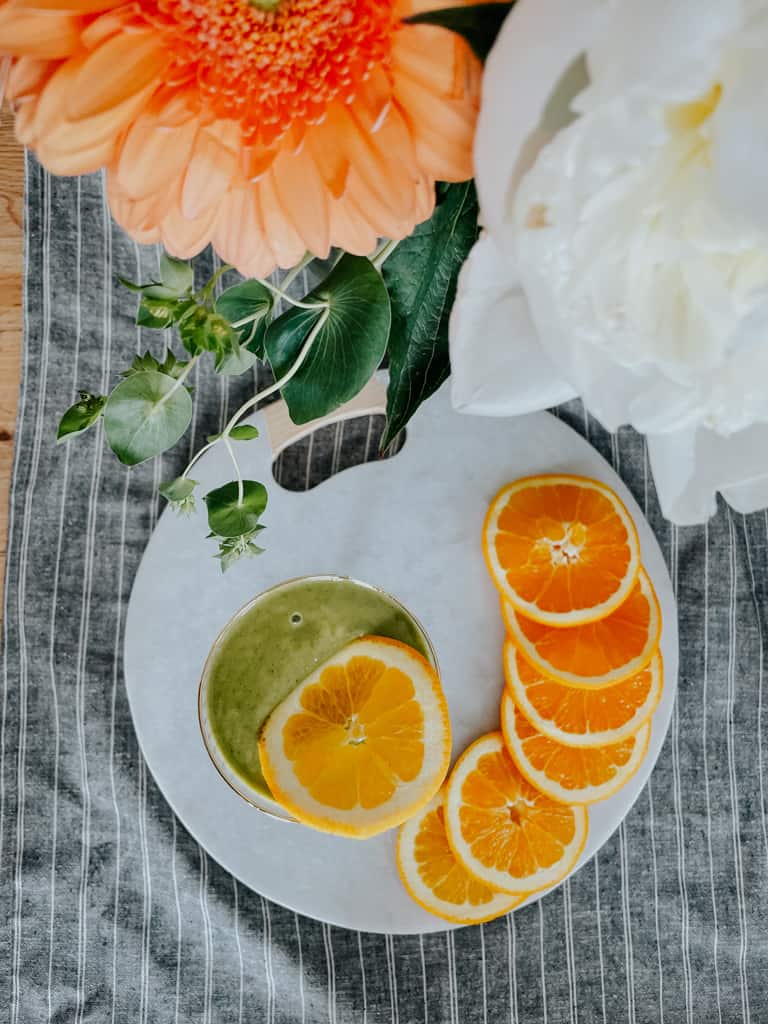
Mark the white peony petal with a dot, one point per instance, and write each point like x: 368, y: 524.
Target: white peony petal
x: 740, y: 134
x: 690, y: 467
x: 538, y: 43
x: 642, y: 41
x: 498, y: 367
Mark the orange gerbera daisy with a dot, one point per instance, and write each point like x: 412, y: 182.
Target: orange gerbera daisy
x: 266, y: 128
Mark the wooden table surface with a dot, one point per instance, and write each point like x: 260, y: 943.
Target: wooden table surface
x: 11, y: 254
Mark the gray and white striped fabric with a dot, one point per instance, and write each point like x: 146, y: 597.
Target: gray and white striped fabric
x: 109, y: 911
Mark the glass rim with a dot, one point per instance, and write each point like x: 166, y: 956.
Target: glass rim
x: 278, y: 813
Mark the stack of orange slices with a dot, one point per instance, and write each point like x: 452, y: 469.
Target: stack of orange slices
x: 583, y: 678
x: 363, y: 744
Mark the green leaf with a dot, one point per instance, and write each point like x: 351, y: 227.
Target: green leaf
x: 171, y: 365
x: 132, y: 286
x: 156, y: 313
x: 146, y: 414
x: 80, y: 416
x: 421, y: 277
x: 248, y: 304
x: 245, y: 432
x: 235, y: 362
x: 234, y: 548
x: 479, y: 24
x: 178, y: 489
x: 226, y: 518
x: 176, y: 275
x: 348, y: 347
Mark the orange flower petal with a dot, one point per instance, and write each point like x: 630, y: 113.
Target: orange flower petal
x: 75, y: 7
x: 25, y: 34
x: 183, y: 237
x: 284, y: 240
x: 349, y: 228
x: 122, y: 67
x: 301, y: 191
x: 152, y: 154
x: 27, y: 76
x: 239, y: 233
x: 330, y: 160
x: 210, y: 171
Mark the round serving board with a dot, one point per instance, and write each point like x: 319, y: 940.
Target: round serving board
x: 410, y: 525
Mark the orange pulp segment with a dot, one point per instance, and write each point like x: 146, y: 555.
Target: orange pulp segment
x: 506, y: 833
x: 362, y: 743
x: 562, y: 550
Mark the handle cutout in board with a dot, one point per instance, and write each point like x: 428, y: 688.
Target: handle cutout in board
x: 282, y: 432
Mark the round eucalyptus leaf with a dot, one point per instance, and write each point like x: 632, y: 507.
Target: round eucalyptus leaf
x: 145, y: 415
x: 248, y: 304
x: 227, y: 518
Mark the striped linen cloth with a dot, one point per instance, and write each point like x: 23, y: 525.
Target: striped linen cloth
x: 109, y: 910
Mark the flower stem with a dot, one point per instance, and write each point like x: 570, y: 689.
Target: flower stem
x: 179, y: 380
x: 228, y: 446
x: 384, y: 252
x: 287, y: 298
x: 206, y: 291
x: 291, y: 276
x: 261, y: 395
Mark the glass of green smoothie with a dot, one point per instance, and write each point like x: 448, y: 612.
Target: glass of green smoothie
x: 268, y: 647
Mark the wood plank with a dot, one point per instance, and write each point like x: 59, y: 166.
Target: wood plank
x: 11, y: 259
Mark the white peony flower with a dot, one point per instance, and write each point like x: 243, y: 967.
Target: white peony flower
x: 625, y: 254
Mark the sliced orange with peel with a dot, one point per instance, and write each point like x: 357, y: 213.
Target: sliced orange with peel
x: 572, y: 775
x: 598, y: 653
x: 505, y: 832
x: 436, y: 880
x: 362, y: 743
x: 581, y: 717
x: 562, y: 550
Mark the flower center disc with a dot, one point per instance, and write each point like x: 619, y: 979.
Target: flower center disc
x: 271, y: 63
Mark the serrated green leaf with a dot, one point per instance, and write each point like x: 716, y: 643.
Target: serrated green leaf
x: 421, y: 277
x: 171, y: 365
x: 248, y: 305
x: 80, y: 416
x: 348, y: 348
x: 245, y: 432
x: 227, y: 518
x: 145, y: 415
x: 177, y: 275
x: 178, y: 489
x: 479, y: 24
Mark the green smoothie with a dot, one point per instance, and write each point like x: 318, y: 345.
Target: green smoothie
x: 279, y: 640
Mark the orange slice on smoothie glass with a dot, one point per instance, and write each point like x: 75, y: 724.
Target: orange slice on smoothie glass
x: 362, y: 743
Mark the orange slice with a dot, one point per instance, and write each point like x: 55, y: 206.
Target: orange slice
x: 599, y: 653
x: 573, y: 775
x: 563, y: 550
x: 362, y: 743
x: 435, y: 879
x: 580, y: 717
x: 506, y: 833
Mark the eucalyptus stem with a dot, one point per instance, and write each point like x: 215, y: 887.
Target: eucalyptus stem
x: 179, y: 381
x: 235, y: 463
x: 291, y: 276
x: 261, y: 395
x: 287, y: 298
x: 206, y: 291
x: 198, y: 455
